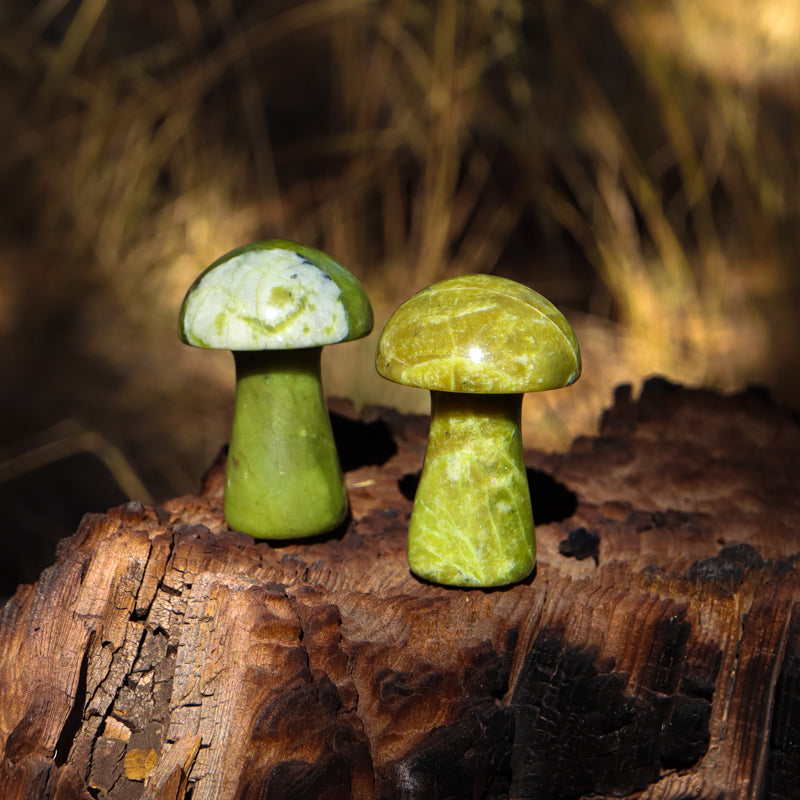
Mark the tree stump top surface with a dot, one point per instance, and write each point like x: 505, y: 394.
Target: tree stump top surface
x: 655, y: 651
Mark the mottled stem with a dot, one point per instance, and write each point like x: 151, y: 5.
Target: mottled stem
x: 283, y: 477
x: 472, y: 523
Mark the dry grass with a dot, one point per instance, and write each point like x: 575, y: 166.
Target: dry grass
x: 605, y: 154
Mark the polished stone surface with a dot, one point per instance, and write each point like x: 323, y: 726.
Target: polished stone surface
x: 472, y: 523
x: 283, y: 479
x: 275, y: 304
x: 478, y: 342
x: 274, y: 295
x: 479, y: 333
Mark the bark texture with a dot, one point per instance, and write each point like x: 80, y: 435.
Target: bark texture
x: 655, y: 651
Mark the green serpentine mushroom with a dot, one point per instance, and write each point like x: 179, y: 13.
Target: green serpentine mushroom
x: 477, y: 342
x: 275, y: 304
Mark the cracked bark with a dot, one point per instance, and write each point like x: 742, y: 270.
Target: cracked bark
x: 655, y: 652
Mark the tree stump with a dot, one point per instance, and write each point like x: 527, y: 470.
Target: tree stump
x: 655, y: 651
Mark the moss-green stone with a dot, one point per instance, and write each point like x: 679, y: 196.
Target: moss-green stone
x: 479, y: 333
x: 472, y: 523
x: 283, y: 478
x: 275, y: 304
x: 478, y: 342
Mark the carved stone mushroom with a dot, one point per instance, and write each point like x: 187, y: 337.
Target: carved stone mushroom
x: 275, y: 304
x: 477, y: 342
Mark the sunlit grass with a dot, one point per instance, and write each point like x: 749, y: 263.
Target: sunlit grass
x: 603, y: 155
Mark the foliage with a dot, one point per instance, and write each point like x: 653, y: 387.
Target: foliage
x: 597, y: 151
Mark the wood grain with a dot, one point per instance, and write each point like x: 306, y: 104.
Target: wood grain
x: 655, y: 652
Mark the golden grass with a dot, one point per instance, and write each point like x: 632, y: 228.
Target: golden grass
x: 600, y: 154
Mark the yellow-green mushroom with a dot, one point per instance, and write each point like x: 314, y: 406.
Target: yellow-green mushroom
x: 275, y: 304
x: 478, y: 343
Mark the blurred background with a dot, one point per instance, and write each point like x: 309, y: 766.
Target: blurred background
x: 636, y: 161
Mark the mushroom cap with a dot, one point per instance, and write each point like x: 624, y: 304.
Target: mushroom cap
x: 479, y: 334
x: 274, y: 295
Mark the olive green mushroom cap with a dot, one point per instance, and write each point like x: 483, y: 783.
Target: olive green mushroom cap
x: 480, y: 334
x: 274, y: 295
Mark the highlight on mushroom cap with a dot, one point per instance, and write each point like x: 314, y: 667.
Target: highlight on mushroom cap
x: 481, y: 334
x: 274, y: 295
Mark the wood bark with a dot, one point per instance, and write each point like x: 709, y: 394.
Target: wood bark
x: 655, y: 652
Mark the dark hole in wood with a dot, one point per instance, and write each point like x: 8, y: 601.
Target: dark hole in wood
x: 580, y: 544
x: 362, y: 444
x: 408, y: 485
x: 552, y: 501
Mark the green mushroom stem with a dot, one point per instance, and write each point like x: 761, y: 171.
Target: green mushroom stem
x: 472, y: 523
x: 283, y: 477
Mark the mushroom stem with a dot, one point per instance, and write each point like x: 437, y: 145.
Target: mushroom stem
x: 472, y: 523
x: 283, y: 477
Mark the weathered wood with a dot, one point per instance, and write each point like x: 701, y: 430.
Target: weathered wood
x: 656, y: 650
